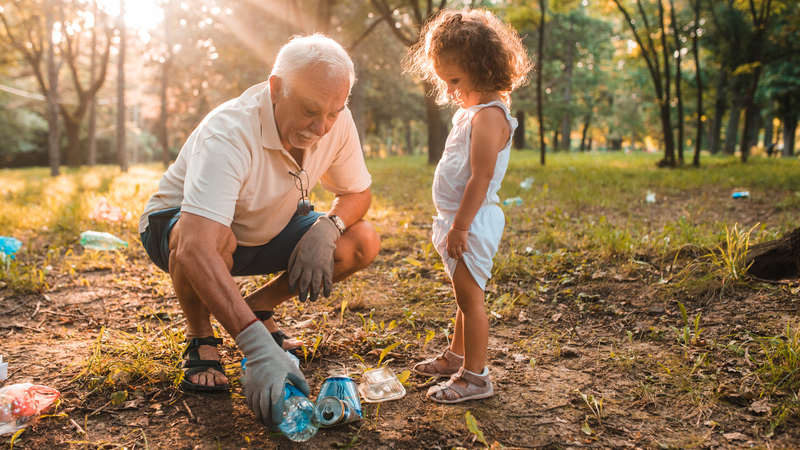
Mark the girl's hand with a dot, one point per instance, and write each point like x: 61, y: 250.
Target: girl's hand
x: 457, y: 242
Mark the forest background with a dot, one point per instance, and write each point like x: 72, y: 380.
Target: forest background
x: 81, y: 86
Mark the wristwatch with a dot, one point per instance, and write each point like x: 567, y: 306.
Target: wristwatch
x: 338, y: 222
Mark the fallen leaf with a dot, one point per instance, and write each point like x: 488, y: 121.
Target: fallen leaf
x: 555, y: 317
x: 761, y: 406
x: 734, y: 436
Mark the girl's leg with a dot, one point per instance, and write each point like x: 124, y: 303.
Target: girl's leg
x: 457, y: 345
x: 474, y: 323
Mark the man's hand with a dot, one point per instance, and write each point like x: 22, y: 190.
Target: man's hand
x: 268, y: 368
x: 311, y: 263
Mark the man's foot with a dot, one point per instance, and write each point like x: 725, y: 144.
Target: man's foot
x: 284, y: 341
x: 201, y: 368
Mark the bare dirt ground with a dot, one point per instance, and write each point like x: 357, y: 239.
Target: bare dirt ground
x: 597, y: 328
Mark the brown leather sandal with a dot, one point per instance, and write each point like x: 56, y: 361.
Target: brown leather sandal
x: 478, y: 386
x: 434, y: 368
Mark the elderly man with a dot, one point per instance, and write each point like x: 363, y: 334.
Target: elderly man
x: 235, y: 203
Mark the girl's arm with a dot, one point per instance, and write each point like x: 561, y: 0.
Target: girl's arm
x: 490, y: 134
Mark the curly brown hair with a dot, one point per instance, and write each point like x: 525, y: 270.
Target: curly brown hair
x: 487, y: 49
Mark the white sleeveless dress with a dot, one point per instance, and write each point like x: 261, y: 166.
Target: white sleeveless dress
x: 449, y: 183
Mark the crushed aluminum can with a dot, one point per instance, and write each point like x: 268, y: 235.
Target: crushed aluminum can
x: 331, y: 411
x: 338, y: 401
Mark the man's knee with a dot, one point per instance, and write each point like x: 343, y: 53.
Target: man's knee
x: 366, y: 242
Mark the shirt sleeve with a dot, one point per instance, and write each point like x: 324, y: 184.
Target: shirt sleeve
x: 214, y: 177
x: 348, y: 172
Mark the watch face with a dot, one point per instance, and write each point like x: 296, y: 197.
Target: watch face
x: 338, y: 222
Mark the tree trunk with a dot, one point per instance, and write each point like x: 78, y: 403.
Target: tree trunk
x: 52, y: 95
x: 720, y: 105
x: 409, y: 138
x: 356, y: 103
x: 676, y: 36
x: 122, y: 156
x: 163, y: 128
x: 539, y: 97
x: 566, y: 121
x: 586, y: 122
x: 769, y: 128
x: 73, y: 128
x: 733, y: 127
x: 666, y: 117
x: 789, y: 131
x: 91, y: 152
x: 555, y: 139
x: 519, y: 134
x: 436, y: 139
x: 699, y: 80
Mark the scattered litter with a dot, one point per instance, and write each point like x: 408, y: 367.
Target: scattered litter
x: 651, y: 197
x: 381, y: 385
x: 96, y: 240
x: 103, y: 212
x: 21, y: 405
x: 741, y: 194
x: 527, y: 183
x: 513, y: 201
x: 8, y: 246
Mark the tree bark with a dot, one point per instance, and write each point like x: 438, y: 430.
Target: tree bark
x: 519, y: 134
x: 676, y: 37
x: 52, y: 95
x: 720, y: 104
x: 699, y: 81
x: 566, y: 121
x: 436, y: 139
x: 122, y: 156
x: 91, y: 151
x: 586, y: 122
x: 733, y: 126
x: 539, y: 82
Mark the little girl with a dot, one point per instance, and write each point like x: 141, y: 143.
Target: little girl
x: 474, y: 60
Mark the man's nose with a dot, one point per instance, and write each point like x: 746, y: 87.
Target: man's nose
x: 318, y: 126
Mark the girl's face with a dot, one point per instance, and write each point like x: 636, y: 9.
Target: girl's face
x: 459, y: 86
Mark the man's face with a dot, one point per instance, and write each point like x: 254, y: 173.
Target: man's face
x: 311, y: 108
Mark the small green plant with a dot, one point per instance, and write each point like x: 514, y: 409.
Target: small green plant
x: 595, y: 405
x: 688, y: 336
x: 472, y: 424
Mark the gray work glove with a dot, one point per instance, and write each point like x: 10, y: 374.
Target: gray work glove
x: 268, y: 368
x: 311, y: 263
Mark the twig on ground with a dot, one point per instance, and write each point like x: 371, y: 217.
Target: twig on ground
x: 16, y: 307
x: 99, y: 409
x: 35, y: 311
x: 191, y: 416
x: 75, y: 424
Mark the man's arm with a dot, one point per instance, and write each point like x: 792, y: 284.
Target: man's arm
x: 351, y: 207
x: 202, y: 251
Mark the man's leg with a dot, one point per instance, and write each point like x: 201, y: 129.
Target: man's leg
x: 198, y: 317
x: 355, y: 250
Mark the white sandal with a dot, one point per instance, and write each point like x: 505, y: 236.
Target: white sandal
x: 433, y: 368
x: 478, y: 386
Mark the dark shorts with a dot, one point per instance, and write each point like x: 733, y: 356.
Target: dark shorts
x: 264, y: 259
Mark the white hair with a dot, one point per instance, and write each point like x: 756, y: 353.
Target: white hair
x: 317, y: 50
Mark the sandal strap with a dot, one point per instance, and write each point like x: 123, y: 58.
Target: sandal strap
x: 194, y: 343
x: 279, y: 336
x: 263, y: 315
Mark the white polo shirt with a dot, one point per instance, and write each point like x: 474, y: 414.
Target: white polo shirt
x: 234, y: 170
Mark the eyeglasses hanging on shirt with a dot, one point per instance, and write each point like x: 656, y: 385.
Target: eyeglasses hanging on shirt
x: 304, y: 205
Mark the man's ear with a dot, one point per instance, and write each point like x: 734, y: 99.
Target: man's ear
x: 275, y: 88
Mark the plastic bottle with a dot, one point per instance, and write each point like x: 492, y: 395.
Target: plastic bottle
x: 9, y: 246
x: 21, y: 405
x: 96, y: 240
x: 299, y: 422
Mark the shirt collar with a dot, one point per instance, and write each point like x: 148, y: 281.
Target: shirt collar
x: 269, y: 129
